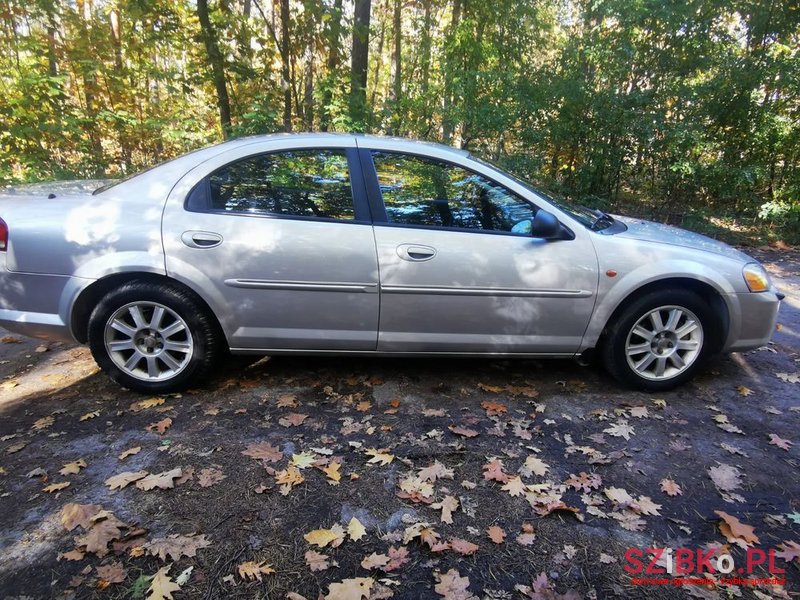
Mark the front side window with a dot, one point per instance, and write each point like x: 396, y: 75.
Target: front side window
x: 423, y: 191
x: 302, y: 183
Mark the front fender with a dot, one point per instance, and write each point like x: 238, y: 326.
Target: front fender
x: 618, y: 290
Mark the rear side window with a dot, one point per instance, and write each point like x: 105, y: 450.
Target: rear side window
x: 429, y: 192
x: 300, y: 183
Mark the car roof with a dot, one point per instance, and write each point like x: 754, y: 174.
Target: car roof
x: 384, y: 142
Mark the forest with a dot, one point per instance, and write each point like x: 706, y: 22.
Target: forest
x: 687, y: 111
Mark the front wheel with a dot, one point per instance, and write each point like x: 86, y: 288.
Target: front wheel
x: 660, y: 340
x: 153, y: 338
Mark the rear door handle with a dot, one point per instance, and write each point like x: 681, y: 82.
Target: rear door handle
x: 415, y: 252
x: 201, y: 239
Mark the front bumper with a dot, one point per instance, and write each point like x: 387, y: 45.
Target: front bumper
x: 758, y: 314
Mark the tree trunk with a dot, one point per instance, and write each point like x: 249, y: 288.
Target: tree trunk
x: 334, y: 56
x: 447, y: 107
x: 285, y: 67
x: 217, y: 63
x: 116, y: 39
x: 358, y: 67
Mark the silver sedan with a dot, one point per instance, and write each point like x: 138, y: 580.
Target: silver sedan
x: 344, y: 244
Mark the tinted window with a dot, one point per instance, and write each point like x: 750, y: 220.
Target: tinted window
x: 306, y: 183
x: 421, y: 191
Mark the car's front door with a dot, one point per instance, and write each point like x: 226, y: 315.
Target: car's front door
x: 276, y: 243
x: 459, y: 270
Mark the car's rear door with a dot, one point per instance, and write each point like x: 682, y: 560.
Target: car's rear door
x: 277, y: 238
x: 459, y: 273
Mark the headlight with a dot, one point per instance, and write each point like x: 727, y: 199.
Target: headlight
x: 756, y: 277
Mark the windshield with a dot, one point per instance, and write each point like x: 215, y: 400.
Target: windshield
x: 586, y: 216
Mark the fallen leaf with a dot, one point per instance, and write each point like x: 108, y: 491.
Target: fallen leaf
x: 493, y: 408
x: 534, y: 466
x: 162, y: 481
x: 316, y: 561
x: 112, y: 573
x: 515, y: 487
x: 744, y: 391
x: 176, y: 546
x: 252, y: 571
x: 584, y: 481
x: 620, y: 429
x: 398, y: 558
x: 44, y: 422
x: 73, y: 468
x: 735, y: 531
x: 331, y: 471
x: 493, y: 471
x: 147, y: 403
x: 463, y: 546
x: 263, y: 451
x: 160, y: 426
x: 669, y: 487
x: 435, y: 471
x: 496, y: 534
x: 322, y: 537
x: 452, y: 586
x: 725, y: 477
x: 161, y: 586
x: 130, y: 452
x: 448, y: 505
x: 90, y: 415
x: 121, y: 480
x: 463, y: 431
x: 56, y: 487
x: 210, y: 476
x: 355, y: 529
x: 303, y: 460
x: 292, y: 420
x: 778, y: 441
x: 350, y: 589
x: 73, y: 515
x: 375, y: 561
x: 789, y: 551
x: 379, y: 456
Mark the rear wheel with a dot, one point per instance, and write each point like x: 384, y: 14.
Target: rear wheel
x: 661, y: 340
x: 153, y: 338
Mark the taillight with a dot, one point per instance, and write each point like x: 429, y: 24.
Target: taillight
x: 3, y: 236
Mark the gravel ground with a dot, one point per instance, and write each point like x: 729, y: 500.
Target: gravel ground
x: 382, y: 421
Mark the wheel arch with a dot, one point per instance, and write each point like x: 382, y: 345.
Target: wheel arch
x: 88, y: 298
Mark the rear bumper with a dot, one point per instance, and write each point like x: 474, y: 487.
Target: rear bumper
x: 36, y: 305
x: 758, y: 314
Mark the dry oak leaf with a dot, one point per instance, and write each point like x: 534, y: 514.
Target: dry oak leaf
x: 493, y: 471
x: 584, y: 481
x: 463, y: 546
x: 534, y: 466
x: 789, y: 551
x: 176, y: 546
x: 526, y: 539
x: 90, y: 415
x: 355, y: 529
x: 463, y: 431
x: 74, y: 467
x: 161, y: 586
x: 423, y: 531
x: 515, y: 487
x: 452, y: 586
x: 56, y: 487
x: 130, y: 452
x: 496, y: 534
x: 493, y: 408
x: 147, y: 403
x: 375, y: 561
x: 620, y: 429
x: 288, y: 478
x: 160, y: 426
x: 73, y: 555
x: 619, y: 495
x: 350, y: 589
x: 735, y: 531
x: 448, y: 506
x: 398, y: 558
x: 435, y: 471
x: 121, y: 480
x: 252, y: 571
x: 162, y: 481
x: 744, y: 391
x: 73, y: 514
x: 331, y: 471
x: 316, y: 561
x: 210, y: 476
x: 725, y: 477
x: 669, y: 487
x: 379, y: 457
x: 112, y: 573
x: 263, y: 451
x: 44, y: 422
x: 106, y: 527
x: 323, y: 537
x: 287, y: 401
x: 778, y: 441
x: 303, y: 460
x: 292, y: 420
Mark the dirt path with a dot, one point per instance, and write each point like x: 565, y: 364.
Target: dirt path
x: 56, y: 409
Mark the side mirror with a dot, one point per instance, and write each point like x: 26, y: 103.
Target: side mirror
x: 545, y: 225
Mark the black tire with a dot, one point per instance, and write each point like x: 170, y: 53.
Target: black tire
x: 615, y: 338
x: 207, y: 340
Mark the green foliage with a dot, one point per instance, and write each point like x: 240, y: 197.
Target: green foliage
x: 660, y: 108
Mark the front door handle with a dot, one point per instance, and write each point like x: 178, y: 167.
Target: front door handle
x: 201, y: 239
x: 415, y: 252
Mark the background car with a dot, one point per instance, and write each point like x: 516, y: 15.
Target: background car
x: 364, y: 245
